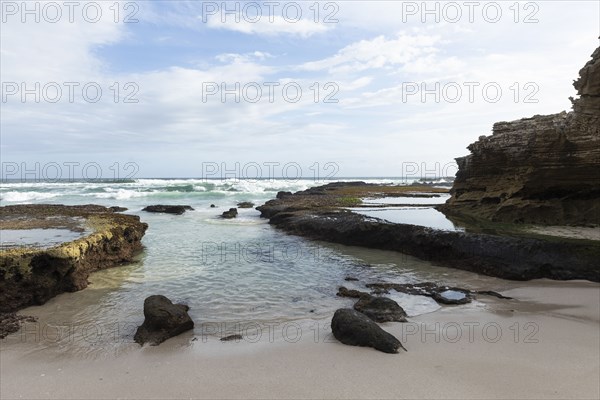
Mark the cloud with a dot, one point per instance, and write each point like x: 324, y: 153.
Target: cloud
x: 276, y: 25
x: 377, y: 53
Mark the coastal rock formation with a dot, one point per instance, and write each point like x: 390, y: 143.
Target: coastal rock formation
x: 33, y: 275
x: 355, y: 329
x: 320, y: 214
x: 163, y: 320
x: 380, y: 309
x: 168, y: 209
x: 245, y: 204
x: 441, y: 294
x: 232, y: 213
x: 543, y: 169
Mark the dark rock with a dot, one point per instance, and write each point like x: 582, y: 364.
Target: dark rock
x: 451, y: 297
x: 380, y: 309
x: 229, y: 338
x: 493, y: 294
x: 441, y: 294
x: 541, y: 170
x: 212, y: 206
x: 281, y: 195
x: 11, y: 323
x: 245, y: 204
x: 232, y: 213
x: 163, y: 320
x: 355, y: 329
x: 117, y: 209
x: 352, y: 293
x: 350, y: 279
x: 509, y: 257
x: 168, y: 209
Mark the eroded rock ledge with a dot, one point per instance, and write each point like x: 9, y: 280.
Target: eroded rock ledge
x: 318, y: 213
x: 33, y: 275
x: 544, y: 169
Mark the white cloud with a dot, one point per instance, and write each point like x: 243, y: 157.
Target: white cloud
x: 276, y: 25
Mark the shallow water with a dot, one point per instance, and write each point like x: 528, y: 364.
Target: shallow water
x: 229, y: 272
x: 422, y: 216
x: 36, y: 237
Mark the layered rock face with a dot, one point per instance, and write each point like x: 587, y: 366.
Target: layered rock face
x: 33, y: 275
x: 544, y: 169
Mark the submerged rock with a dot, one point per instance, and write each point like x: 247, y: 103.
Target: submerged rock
x: 352, y: 293
x: 168, y: 209
x: 163, y: 320
x: 11, y: 323
x: 356, y: 329
x: 245, y: 204
x: 380, y: 309
x: 230, y: 338
x: 232, y: 213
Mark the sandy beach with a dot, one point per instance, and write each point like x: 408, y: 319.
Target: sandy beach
x: 543, y: 344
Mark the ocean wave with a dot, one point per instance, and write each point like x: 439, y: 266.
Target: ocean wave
x: 19, y: 197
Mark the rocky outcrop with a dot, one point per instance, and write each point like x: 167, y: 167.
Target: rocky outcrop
x: 245, y: 204
x: 163, y: 320
x: 168, y: 209
x: 319, y: 213
x: 543, y: 169
x: 33, y: 275
x: 355, y: 329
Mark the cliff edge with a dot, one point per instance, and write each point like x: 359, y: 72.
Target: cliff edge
x: 543, y: 170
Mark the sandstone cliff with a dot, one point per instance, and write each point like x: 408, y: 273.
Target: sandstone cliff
x: 544, y: 169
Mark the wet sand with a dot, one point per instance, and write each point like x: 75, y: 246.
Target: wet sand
x: 548, y: 347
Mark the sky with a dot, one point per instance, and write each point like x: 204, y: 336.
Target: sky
x: 327, y: 89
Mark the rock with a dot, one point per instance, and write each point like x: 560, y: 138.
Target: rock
x: 245, y: 204
x: 232, y: 213
x: 117, y: 209
x: 168, y: 209
x: 441, y: 294
x: 33, y: 275
x: 163, y: 320
x: 229, y: 338
x: 281, y: 195
x: 350, y: 279
x: 380, y: 309
x: 212, y: 206
x: 352, y: 293
x: 541, y: 170
x: 355, y: 329
x: 11, y: 323
x: 506, y: 256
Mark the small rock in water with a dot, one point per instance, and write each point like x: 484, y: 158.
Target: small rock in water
x: 163, y: 320
x: 168, y: 209
x: 350, y: 279
x: 353, y: 293
x: 245, y: 204
x: 232, y: 213
x: 212, y: 206
x: 355, y: 329
x: 380, y: 309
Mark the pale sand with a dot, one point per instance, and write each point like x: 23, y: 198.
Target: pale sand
x: 564, y: 363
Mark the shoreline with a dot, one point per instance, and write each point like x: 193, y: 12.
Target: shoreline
x: 563, y: 363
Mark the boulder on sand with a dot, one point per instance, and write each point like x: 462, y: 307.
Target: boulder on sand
x: 163, y: 320
x: 355, y: 329
x: 380, y: 309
